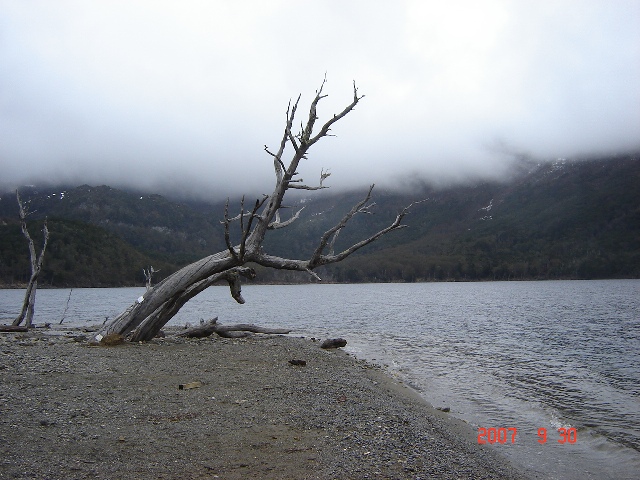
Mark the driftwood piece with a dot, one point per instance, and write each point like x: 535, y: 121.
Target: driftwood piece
x: 12, y: 328
x: 228, y: 331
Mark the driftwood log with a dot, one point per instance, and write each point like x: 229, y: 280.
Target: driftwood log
x: 13, y: 328
x: 228, y: 331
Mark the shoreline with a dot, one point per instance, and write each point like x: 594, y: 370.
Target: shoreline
x: 23, y: 286
x: 74, y: 411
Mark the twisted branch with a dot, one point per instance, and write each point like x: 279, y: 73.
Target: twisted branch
x: 328, y: 240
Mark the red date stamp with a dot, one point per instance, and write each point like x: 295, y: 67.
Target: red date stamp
x: 496, y: 435
x: 508, y: 435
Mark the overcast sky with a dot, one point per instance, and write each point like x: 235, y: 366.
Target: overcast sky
x: 171, y: 93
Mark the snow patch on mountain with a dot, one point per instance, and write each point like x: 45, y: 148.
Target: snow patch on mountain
x: 488, y: 207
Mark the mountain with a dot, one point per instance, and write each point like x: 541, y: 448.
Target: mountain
x: 101, y: 236
x: 565, y: 219
x: 560, y: 220
x: 150, y: 223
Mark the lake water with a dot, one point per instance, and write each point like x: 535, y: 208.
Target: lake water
x: 523, y: 355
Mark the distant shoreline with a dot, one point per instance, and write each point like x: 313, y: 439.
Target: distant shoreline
x: 19, y: 286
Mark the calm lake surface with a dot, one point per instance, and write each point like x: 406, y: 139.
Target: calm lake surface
x: 524, y: 355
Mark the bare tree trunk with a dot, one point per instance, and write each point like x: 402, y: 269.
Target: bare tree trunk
x: 159, y: 317
x: 28, y: 306
x: 164, y: 300
x: 144, y: 319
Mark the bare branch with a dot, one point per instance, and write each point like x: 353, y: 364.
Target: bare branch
x: 281, y: 263
x: 278, y: 224
x: 395, y: 225
x: 333, y: 241
x: 308, y: 129
x: 45, y: 241
x: 233, y: 278
x: 247, y: 230
x: 313, y: 274
x: 324, y: 260
x: 242, y: 214
x: 306, y: 187
x: 327, y: 126
x: 24, y: 213
x: 323, y: 176
x: 278, y: 164
x: 293, y: 141
x: 286, y: 180
x: 339, y: 226
x: 227, y: 234
x: 238, y: 253
x: 329, y: 238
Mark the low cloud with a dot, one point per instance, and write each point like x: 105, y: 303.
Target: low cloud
x: 184, y: 95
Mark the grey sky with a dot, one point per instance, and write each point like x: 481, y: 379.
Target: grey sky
x: 172, y: 93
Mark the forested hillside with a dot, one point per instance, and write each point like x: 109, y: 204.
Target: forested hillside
x: 78, y: 254
x: 565, y: 220
x: 553, y: 220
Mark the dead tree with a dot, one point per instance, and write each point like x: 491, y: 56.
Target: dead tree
x: 28, y: 306
x: 144, y: 319
x: 148, y: 275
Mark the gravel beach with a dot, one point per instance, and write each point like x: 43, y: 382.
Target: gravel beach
x: 69, y: 410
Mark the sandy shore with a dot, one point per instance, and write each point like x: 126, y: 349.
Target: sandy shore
x: 72, y: 411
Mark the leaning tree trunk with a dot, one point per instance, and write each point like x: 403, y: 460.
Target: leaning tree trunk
x: 28, y: 306
x: 164, y: 300
x: 144, y: 319
x: 152, y: 323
